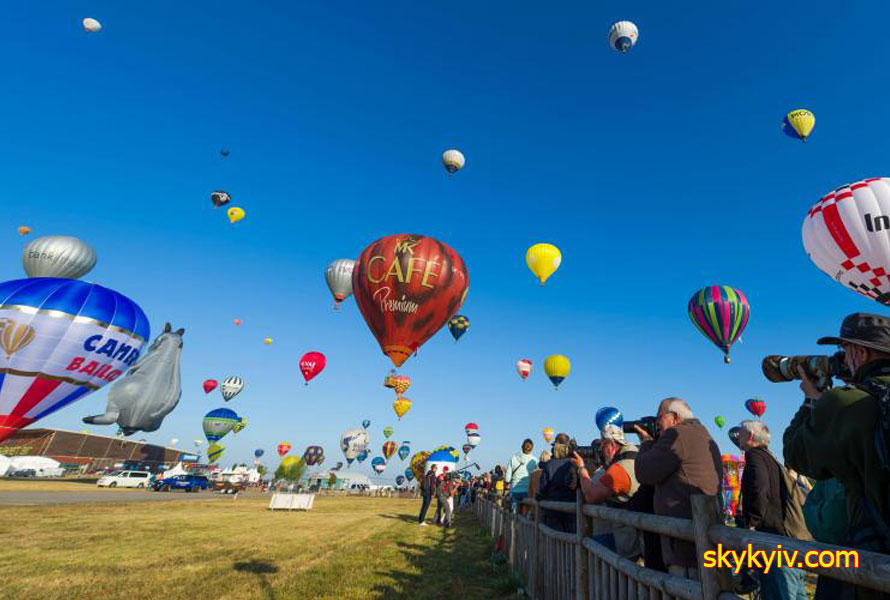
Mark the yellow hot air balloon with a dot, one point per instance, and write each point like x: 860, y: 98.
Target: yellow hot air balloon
x: 547, y: 432
x: 402, y: 405
x: 799, y: 124
x: 235, y: 213
x: 557, y: 368
x: 291, y: 461
x: 543, y: 260
x: 267, y: 341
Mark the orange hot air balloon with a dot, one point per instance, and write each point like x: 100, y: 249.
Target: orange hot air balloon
x: 407, y: 287
x: 24, y: 230
x: 237, y: 321
x: 401, y: 406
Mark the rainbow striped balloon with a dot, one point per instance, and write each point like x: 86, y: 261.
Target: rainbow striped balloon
x: 721, y: 313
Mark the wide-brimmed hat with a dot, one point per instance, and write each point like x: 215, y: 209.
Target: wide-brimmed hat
x: 863, y: 329
x: 614, y: 433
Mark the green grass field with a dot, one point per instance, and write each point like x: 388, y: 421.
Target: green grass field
x: 345, y: 549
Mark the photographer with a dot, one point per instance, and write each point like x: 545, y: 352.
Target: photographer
x: 614, y: 487
x: 838, y: 433
x: 559, y: 480
x: 683, y: 461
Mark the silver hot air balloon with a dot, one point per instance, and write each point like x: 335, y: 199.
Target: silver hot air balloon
x: 453, y: 161
x: 339, y: 278
x: 58, y: 256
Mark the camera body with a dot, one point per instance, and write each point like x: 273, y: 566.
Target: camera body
x: 648, y: 424
x: 819, y: 368
x: 590, y: 454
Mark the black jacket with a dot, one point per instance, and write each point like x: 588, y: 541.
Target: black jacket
x: 428, y: 484
x: 762, y: 492
x: 559, y: 480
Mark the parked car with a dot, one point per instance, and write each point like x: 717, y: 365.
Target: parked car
x: 22, y: 473
x: 228, y: 487
x: 188, y: 483
x: 129, y: 479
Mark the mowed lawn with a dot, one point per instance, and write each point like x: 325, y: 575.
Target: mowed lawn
x: 345, y: 548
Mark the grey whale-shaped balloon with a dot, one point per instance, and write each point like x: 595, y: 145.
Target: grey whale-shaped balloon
x: 149, y: 391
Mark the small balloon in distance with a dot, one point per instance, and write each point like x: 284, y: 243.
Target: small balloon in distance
x: 267, y: 341
x: 91, y: 25
x: 235, y: 214
x: 24, y: 230
x: 237, y: 321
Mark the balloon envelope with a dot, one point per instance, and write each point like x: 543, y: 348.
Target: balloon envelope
x: 404, y: 450
x: 313, y: 455
x: 453, y: 160
x: 209, y: 385
x: 720, y: 313
x: 720, y: 421
x: 401, y: 406
x: 473, y: 439
x: 219, y: 422
x: 338, y: 276
x: 734, y: 435
x: 220, y: 198
x: 799, y: 124
x: 608, y: 415
x: 524, y: 368
x: 58, y: 256
x: 543, y: 260
x: 458, y: 325
x: 389, y: 448
x: 259, y: 452
x: 283, y: 448
x: 214, y: 452
x: 547, y: 432
x: 387, y: 431
x: 24, y: 230
x: 312, y: 364
x: 366, y: 423
x: 231, y: 387
x: 557, y: 368
x: 755, y: 406
x: 91, y: 25
x: 236, y: 213
x: 409, y: 474
x: 466, y: 448
x: 400, y: 480
x: 61, y: 339
x: 353, y: 442
x: 623, y: 36
x: 407, y: 287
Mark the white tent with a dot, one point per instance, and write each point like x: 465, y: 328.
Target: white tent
x: 5, y: 465
x: 42, y: 465
x: 345, y: 479
x: 177, y: 470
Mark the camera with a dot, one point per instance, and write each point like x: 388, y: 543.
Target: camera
x: 646, y: 423
x: 817, y: 367
x: 592, y: 453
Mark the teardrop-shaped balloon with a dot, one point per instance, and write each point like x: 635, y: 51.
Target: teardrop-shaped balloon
x: 91, y: 25
x: 719, y: 421
x: 312, y: 364
x: 409, y: 474
x: 378, y: 464
x: 387, y: 432
x: 524, y: 368
x: 366, y: 423
x: 220, y: 198
x: 799, y: 124
x: 283, y: 448
x: 338, y: 276
x: 313, y: 455
x: 623, y: 36
x: 458, y: 325
x: 24, y: 230
x: 231, y: 387
x: 734, y: 435
x: 557, y: 368
x: 543, y: 260
x: 404, y: 450
x: 755, y: 406
x: 466, y: 448
x: 407, y: 287
x: 215, y: 452
x: 235, y: 214
x: 401, y: 406
x: 58, y: 256
x: 209, y: 385
x: 353, y: 442
x: 400, y: 480
x: 720, y: 313
x: 608, y: 415
x: 389, y: 448
x: 547, y: 432
x: 453, y: 161
x: 219, y: 422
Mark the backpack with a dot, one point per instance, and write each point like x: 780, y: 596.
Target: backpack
x: 826, y: 512
x: 880, y: 531
x: 794, y: 495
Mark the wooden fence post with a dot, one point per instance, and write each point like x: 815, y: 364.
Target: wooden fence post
x: 534, y: 558
x: 706, y: 512
x: 582, y: 569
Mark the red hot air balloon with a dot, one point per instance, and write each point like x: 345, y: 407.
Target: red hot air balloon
x: 756, y: 407
x: 407, y: 287
x: 283, y: 448
x: 312, y: 364
x: 209, y: 385
x: 471, y: 428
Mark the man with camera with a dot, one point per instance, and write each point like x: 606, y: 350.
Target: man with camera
x: 613, y: 486
x: 840, y: 432
x: 683, y: 461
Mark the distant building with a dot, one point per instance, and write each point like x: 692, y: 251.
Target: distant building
x: 89, y: 453
x: 345, y: 480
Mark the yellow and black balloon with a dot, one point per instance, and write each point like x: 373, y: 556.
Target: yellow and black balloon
x: 557, y: 368
x: 799, y: 124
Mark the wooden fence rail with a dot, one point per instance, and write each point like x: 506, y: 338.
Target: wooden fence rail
x: 556, y: 565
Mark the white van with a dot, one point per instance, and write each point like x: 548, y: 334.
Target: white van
x: 130, y: 479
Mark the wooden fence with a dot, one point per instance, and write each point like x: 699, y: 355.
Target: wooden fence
x: 554, y: 565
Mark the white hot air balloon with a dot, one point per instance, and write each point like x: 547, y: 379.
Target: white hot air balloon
x: 58, y: 256
x: 174, y: 441
x: 846, y: 235
x: 623, y: 36
x: 339, y: 278
x: 353, y: 442
x: 231, y: 387
x: 91, y: 25
x: 524, y: 368
x: 453, y: 160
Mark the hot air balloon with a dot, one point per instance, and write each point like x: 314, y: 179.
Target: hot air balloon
x: 400, y: 480
x: 209, y: 385
x: 845, y: 234
x: 543, y: 260
x: 547, y: 432
x: 473, y: 438
x: 524, y: 368
x: 755, y: 406
x: 719, y: 421
x: 798, y: 124
x: 721, y: 313
x: 231, y: 387
x: 407, y: 287
x: 352, y: 442
x: 214, y: 452
x: 224, y: 152
x: 219, y: 422
x: 338, y: 276
x: 458, y: 325
x: 174, y: 441
x: 623, y: 36
x: 24, y: 230
x: 220, y: 198
x: 399, y: 383
x: 734, y: 435
x: 445, y: 458
x: 58, y: 256
x: 311, y: 365
x: 362, y: 456
x: 291, y: 461
x: 409, y: 474
x: 389, y: 448
x: 453, y: 161
x: 404, y: 450
x: 283, y: 448
x: 401, y: 406
x: 241, y: 424
x: 237, y: 321
x: 259, y: 452
x: 466, y: 448
x: 471, y: 428
x: 268, y: 341
x: 418, y: 462
x: 387, y: 431
x: 91, y: 25
x: 313, y: 455
x: 608, y: 415
x: 235, y: 214
x: 198, y: 443
x: 366, y: 423
x: 557, y: 368
x: 61, y: 339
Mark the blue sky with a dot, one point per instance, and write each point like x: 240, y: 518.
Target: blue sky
x: 656, y: 173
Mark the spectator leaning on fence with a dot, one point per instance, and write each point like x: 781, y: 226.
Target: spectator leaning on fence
x: 614, y: 486
x: 518, y: 470
x: 534, y: 479
x: 682, y: 462
x: 763, y: 508
x: 559, y: 480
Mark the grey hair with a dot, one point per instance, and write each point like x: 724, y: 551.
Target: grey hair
x: 679, y: 408
x: 758, y: 431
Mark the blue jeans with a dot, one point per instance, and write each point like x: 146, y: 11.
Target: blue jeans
x: 607, y: 540
x: 785, y: 583
x: 517, y: 498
